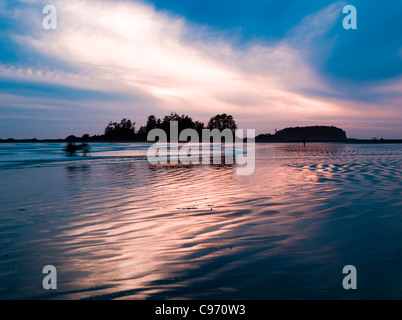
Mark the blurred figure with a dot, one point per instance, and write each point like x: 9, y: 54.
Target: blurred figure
x: 85, y: 149
x: 70, y: 149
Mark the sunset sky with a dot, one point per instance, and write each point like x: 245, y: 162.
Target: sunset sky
x: 271, y: 64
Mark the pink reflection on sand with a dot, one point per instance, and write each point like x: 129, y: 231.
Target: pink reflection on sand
x: 145, y: 239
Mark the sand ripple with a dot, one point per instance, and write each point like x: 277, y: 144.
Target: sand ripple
x: 130, y: 230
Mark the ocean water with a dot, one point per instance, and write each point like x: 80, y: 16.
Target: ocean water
x: 117, y: 227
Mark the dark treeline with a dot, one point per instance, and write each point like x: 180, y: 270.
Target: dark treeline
x: 307, y: 134
x: 312, y: 133
x: 125, y: 129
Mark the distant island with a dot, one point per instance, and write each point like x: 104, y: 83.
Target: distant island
x: 308, y: 134
x: 124, y: 131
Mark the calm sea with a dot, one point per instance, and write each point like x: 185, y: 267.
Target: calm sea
x: 117, y: 227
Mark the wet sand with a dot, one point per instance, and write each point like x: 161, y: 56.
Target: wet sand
x: 124, y: 229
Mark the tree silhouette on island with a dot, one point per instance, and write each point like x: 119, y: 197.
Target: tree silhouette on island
x: 305, y: 134
x: 124, y: 131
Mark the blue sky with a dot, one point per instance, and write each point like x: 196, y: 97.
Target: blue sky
x: 271, y: 64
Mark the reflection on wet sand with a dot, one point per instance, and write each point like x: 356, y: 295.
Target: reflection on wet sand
x: 312, y: 149
x: 143, y: 244
x: 135, y: 230
x: 185, y: 227
x: 78, y: 170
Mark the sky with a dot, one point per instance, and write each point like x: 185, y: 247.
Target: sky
x: 270, y: 64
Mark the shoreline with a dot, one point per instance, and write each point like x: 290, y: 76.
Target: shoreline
x: 353, y: 141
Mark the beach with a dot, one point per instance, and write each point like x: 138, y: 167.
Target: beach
x: 117, y: 227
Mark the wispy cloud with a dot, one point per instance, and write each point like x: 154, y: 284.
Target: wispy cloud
x: 128, y: 57
x: 134, y: 46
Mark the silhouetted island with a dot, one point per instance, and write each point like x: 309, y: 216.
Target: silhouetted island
x: 124, y: 131
x: 315, y: 134
x: 305, y: 134
x: 312, y: 133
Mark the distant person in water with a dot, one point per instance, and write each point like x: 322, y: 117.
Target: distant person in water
x: 72, y: 148
x: 85, y: 149
x: 304, y: 142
